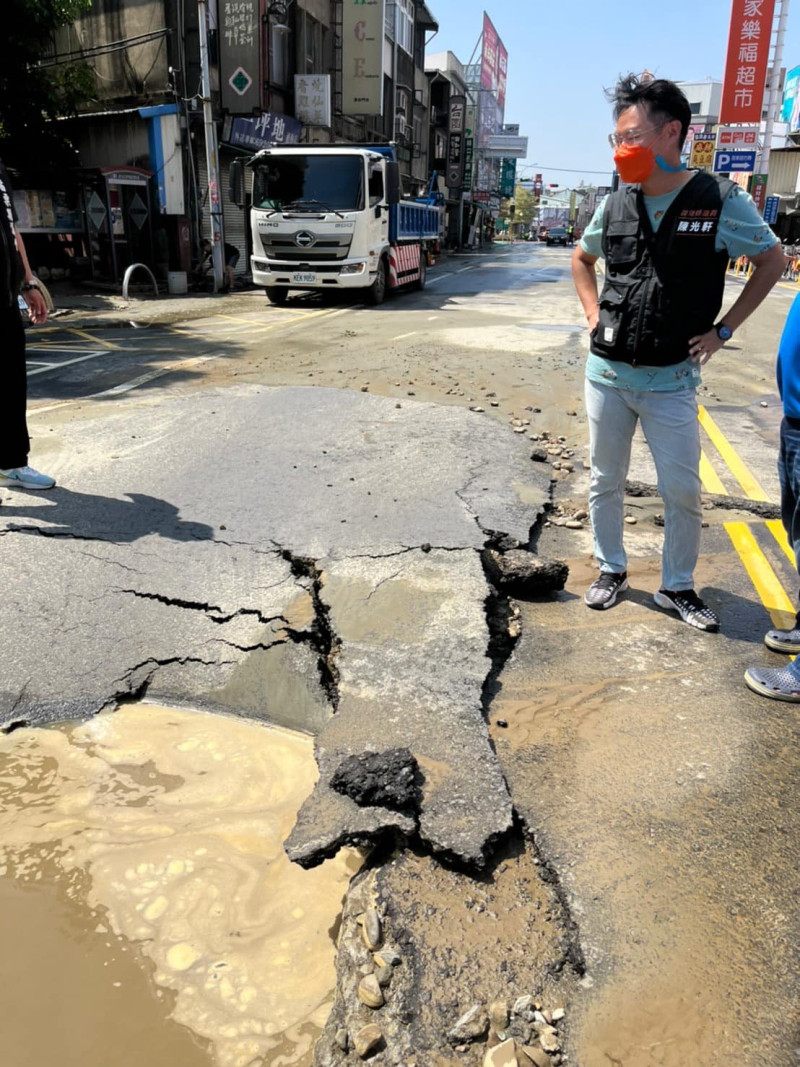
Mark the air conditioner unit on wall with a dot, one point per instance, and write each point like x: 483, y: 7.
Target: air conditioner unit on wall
x: 401, y: 101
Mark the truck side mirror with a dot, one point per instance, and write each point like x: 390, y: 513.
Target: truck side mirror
x: 392, y: 182
x: 236, y: 183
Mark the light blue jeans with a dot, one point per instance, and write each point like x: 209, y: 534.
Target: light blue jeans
x: 669, y: 424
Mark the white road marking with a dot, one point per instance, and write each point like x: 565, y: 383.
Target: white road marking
x: 124, y: 387
x: 67, y: 363
x: 400, y: 336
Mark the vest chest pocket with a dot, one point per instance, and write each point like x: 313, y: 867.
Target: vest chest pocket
x: 611, y: 311
x: 622, y: 244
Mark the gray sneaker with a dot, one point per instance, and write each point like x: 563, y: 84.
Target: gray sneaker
x: 777, y: 683
x: 603, y: 591
x: 689, y: 606
x: 785, y: 640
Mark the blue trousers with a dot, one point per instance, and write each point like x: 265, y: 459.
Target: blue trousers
x: 669, y: 423
x: 789, y: 474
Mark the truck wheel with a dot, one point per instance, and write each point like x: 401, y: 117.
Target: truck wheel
x: 376, y: 294
x: 277, y: 296
x: 419, y: 284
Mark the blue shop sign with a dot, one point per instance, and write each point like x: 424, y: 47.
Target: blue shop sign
x: 266, y: 129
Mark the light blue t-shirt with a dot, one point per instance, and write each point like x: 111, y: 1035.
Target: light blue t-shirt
x: 741, y: 232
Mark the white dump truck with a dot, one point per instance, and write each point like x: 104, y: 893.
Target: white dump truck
x: 331, y: 217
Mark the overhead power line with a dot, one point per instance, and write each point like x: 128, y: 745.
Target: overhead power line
x: 78, y: 54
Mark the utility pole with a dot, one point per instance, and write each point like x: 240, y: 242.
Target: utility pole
x: 774, y: 87
x: 212, y: 152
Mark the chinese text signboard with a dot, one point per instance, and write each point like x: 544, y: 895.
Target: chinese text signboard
x: 469, y: 152
x: 312, y: 99
x: 239, y: 24
x: 746, y: 63
x: 362, y: 57
x: 725, y: 162
x: 508, y: 178
x: 771, y: 209
x: 738, y: 137
x: 758, y: 191
x: 494, y: 64
x: 702, y: 155
x: 455, y: 143
x: 263, y: 131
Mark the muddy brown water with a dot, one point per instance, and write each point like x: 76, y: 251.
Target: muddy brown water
x: 148, y: 913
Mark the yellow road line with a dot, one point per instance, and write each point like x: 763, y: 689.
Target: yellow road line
x: 709, y: 477
x: 275, y: 325
x: 773, y: 595
x: 775, y: 527
x: 735, y: 465
x: 90, y: 337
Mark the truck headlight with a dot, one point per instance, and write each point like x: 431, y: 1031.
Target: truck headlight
x: 261, y: 264
x: 353, y: 268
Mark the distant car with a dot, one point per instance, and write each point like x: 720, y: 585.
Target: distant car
x: 557, y: 236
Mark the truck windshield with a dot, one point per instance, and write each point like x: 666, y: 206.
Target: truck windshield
x: 311, y: 183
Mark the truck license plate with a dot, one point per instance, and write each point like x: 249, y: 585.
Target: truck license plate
x: 305, y: 279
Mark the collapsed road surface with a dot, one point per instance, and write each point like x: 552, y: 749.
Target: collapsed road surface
x: 297, y: 518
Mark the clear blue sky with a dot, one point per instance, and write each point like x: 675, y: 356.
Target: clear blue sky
x: 562, y: 53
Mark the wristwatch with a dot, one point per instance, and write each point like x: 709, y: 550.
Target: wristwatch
x: 27, y: 286
x: 723, y: 332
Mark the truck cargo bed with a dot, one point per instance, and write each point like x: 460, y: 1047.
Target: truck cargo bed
x: 411, y: 220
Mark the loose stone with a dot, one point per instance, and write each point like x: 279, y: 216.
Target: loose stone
x: 539, y: 455
x: 371, y: 930
x: 384, y: 976
x: 367, y: 1040
x: 522, y: 1004
x: 537, y: 1056
x: 504, y: 1055
x: 549, y: 1039
x: 573, y: 524
x: 387, y: 957
x: 472, y: 1025
x: 558, y: 1015
x: 370, y: 993
x: 498, y: 1010
x: 342, y: 1039
x: 631, y: 520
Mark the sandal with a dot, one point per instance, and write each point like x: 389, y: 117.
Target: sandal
x: 777, y: 683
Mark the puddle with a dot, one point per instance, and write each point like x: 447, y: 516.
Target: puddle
x: 147, y: 908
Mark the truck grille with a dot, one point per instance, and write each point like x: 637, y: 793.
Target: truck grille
x: 325, y: 248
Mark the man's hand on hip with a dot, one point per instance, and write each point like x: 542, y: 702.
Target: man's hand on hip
x: 702, y: 348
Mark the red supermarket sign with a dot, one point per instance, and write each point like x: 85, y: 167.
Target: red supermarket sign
x: 747, y: 60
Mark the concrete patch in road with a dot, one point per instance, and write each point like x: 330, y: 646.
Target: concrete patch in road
x: 412, y: 664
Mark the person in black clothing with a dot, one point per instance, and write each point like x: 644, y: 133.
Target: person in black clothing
x: 231, y: 259
x: 16, y: 277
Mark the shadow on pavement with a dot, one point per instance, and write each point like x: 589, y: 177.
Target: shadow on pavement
x: 102, y: 518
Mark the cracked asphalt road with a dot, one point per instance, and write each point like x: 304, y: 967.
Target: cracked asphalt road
x: 282, y: 516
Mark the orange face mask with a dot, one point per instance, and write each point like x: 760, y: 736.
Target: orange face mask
x: 635, y: 163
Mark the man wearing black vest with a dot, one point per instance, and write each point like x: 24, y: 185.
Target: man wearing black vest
x: 15, y: 278
x: 666, y: 237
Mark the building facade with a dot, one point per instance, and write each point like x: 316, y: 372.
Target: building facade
x: 277, y: 73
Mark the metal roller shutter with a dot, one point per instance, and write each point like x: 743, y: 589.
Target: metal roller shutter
x: 234, y: 220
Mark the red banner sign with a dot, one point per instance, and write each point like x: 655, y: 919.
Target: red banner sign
x: 747, y: 60
x: 494, y: 62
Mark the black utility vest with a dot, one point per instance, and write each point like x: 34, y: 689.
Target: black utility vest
x: 661, y: 288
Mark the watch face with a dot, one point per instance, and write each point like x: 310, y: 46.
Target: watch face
x: 724, y: 333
